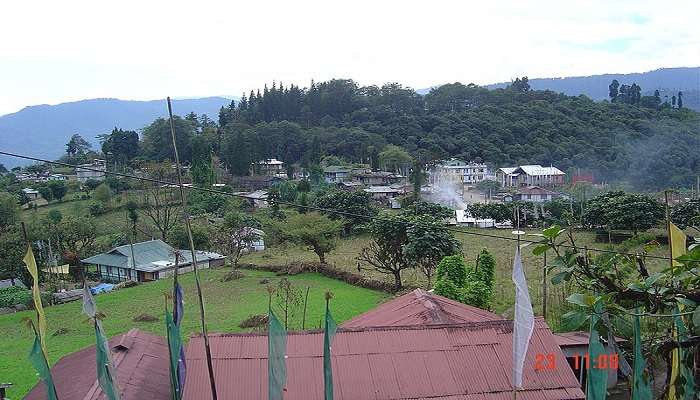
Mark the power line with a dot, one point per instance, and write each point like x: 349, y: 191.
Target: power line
x: 312, y: 208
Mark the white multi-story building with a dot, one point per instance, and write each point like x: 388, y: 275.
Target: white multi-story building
x: 457, y: 171
x: 96, y: 172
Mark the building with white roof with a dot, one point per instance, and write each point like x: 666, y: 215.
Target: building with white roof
x: 530, y: 175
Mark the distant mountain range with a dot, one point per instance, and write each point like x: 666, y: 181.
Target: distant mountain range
x: 44, y: 130
x: 667, y: 80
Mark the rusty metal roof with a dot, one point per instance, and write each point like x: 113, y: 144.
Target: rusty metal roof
x: 470, y: 361
x: 141, y: 363
x: 577, y: 338
x: 420, y: 308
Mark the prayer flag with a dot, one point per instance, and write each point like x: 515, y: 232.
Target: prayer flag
x: 328, y: 334
x: 277, y: 348
x: 596, y: 378
x: 105, y: 369
x: 524, y: 321
x: 30, y: 261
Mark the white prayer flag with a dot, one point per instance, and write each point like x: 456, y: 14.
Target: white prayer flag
x: 524, y: 321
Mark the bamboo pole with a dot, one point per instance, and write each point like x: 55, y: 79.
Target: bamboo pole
x: 210, y: 366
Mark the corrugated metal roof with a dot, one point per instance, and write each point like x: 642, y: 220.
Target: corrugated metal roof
x: 420, y: 308
x: 577, y: 338
x: 453, y: 361
x: 540, y: 170
x: 141, y: 364
x: 152, y: 255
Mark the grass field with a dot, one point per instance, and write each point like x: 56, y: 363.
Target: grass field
x: 227, y: 304
x: 344, y: 256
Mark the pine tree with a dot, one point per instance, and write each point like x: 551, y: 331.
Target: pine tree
x: 614, y: 90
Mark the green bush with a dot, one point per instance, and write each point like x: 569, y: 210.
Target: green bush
x: 452, y: 268
x: 96, y: 209
x: 466, y: 285
x: 15, y: 295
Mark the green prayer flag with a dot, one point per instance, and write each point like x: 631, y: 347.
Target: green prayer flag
x: 641, y: 388
x: 277, y: 349
x: 329, y: 333
x: 36, y: 357
x: 596, y: 378
x: 105, y: 369
x: 685, y: 386
x: 174, y: 349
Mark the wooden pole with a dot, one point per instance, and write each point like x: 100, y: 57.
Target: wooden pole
x: 210, y: 366
x: 306, y: 300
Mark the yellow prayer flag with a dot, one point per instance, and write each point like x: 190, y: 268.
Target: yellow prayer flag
x: 678, y: 242
x: 675, y: 368
x: 36, y: 293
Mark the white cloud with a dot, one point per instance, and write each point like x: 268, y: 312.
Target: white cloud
x: 59, y: 51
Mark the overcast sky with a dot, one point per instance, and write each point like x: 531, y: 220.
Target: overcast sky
x: 56, y: 51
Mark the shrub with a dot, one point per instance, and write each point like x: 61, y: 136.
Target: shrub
x: 96, y: 209
x: 468, y: 286
x: 452, y: 268
x: 15, y: 295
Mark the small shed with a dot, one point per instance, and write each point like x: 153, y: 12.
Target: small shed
x: 575, y: 344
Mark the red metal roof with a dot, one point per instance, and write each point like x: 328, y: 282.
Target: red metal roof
x: 470, y: 361
x: 577, y: 338
x: 420, y: 308
x: 141, y: 363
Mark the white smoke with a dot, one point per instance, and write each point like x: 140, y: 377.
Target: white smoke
x: 446, y: 192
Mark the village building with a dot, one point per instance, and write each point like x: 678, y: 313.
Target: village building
x: 535, y: 194
x: 57, y: 177
x: 530, y: 175
x: 378, y: 178
x: 255, y: 182
x: 336, y: 174
x: 257, y: 198
x: 269, y: 167
x: 456, y: 171
x: 30, y: 194
x: 96, y: 172
x: 149, y: 261
x: 140, y: 360
x: 575, y: 345
x: 383, y: 194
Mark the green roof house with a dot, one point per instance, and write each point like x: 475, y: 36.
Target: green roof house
x: 149, y: 261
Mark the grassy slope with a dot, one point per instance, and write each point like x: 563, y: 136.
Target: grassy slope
x: 348, y: 249
x: 227, y: 304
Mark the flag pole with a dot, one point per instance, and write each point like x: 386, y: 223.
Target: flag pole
x: 210, y: 366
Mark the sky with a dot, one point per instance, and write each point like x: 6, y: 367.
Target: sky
x: 58, y: 51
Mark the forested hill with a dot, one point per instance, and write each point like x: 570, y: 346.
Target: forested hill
x: 44, y: 130
x: 667, y: 80
x: 646, y: 143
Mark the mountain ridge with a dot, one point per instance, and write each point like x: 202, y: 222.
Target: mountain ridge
x: 43, y: 130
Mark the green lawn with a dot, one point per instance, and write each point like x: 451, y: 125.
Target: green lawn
x: 227, y: 304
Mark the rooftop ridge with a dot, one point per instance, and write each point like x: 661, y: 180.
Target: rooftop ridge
x: 506, y: 323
